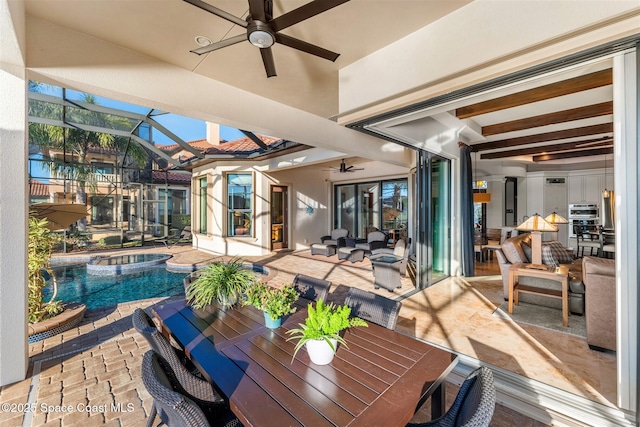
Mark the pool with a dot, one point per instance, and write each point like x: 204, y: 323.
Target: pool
x: 74, y: 284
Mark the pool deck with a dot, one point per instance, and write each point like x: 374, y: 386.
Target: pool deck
x: 90, y: 375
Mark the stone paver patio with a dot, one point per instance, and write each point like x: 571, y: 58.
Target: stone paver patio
x: 90, y: 375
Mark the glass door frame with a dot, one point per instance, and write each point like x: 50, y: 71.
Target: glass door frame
x: 425, y: 232
x: 279, y: 227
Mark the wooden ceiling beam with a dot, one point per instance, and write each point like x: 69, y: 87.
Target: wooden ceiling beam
x: 564, y: 116
x: 545, y: 137
x: 576, y: 145
x: 571, y: 154
x: 565, y: 87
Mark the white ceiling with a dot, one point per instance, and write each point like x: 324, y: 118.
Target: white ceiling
x: 166, y: 30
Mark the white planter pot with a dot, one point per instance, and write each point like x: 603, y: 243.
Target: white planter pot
x: 320, y: 351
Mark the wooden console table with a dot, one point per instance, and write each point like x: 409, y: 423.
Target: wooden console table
x: 558, y: 274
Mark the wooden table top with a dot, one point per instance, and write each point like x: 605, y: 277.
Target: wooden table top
x: 379, y: 379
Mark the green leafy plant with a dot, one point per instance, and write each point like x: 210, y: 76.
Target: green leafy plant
x: 276, y: 302
x: 41, y: 243
x: 222, y: 282
x: 324, y: 322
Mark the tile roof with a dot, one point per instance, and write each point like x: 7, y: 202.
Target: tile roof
x: 198, y: 144
x: 241, y: 145
x: 38, y: 189
x: 172, y: 176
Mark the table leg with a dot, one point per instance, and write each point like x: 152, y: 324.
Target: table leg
x: 565, y: 301
x: 438, y: 401
x: 511, y: 283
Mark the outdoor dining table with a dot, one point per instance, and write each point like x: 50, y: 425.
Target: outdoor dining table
x: 379, y: 379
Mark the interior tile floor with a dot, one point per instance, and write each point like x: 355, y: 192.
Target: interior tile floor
x: 97, y: 364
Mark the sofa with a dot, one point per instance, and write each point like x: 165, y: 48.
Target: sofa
x: 517, y: 249
x: 599, y: 276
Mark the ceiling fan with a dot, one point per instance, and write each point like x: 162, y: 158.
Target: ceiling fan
x: 344, y: 168
x: 263, y: 29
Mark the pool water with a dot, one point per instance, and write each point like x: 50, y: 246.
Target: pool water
x: 74, y: 284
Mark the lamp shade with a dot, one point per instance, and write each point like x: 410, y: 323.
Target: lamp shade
x: 554, y: 218
x: 536, y: 223
x: 481, y: 197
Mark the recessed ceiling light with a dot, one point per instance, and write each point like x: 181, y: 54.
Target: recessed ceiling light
x: 203, y: 41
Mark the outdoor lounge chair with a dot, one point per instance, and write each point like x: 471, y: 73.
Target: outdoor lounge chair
x: 311, y: 288
x: 183, y: 237
x: 474, y: 404
x: 373, y: 308
x: 170, y: 403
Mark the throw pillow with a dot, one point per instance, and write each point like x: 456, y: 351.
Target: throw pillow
x: 560, y: 253
x: 547, y: 256
x: 526, y: 248
x: 556, y: 253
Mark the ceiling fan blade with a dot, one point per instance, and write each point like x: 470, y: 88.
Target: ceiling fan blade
x: 256, y: 10
x: 220, y: 45
x: 218, y: 12
x: 306, y: 47
x: 267, y: 60
x: 303, y: 12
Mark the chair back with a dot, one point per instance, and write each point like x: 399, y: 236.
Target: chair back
x: 186, y: 232
x: 373, y: 308
x: 376, y: 236
x: 473, y: 406
x: 198, y: 388
x: 311, y: 288
x: 174, y: 408
x: 338, y: 233
x: 476, y: 400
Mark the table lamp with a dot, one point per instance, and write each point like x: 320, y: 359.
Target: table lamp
x: 536, y: 225
x: 554, y: 218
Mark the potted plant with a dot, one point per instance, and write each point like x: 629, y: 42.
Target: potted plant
x: 222, y: 282
x: 321, y: 331
x: 275, y: 302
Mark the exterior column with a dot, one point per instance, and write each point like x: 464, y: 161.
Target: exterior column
x: 13, y: 195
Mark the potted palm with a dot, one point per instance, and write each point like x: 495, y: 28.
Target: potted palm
x: 275, y: 302
x: 320, y: 333
x: 221, y: 282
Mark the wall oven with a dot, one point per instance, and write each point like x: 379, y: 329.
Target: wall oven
x: 584, y: 215
x: 583, y: 210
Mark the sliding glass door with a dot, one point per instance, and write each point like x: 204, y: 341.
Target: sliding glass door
x: 432, y: 211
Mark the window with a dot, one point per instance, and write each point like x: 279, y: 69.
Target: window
x: 240, y: 205
x: 202, y: 205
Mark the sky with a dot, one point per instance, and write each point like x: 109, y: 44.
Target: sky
x: 187, y: 128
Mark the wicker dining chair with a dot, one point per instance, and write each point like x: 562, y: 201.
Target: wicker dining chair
x: 373, y: 308
x: 311, y: 288
x: 474, y: 403
x: 172, y: 406
x: 201, y: 391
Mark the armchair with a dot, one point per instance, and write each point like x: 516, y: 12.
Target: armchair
x: 375, y: 240
x: 400, y: 251
x: 337, y: 237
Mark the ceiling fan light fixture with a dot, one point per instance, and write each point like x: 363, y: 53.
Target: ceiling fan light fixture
x: 203, y: 41
x: 260, y: 35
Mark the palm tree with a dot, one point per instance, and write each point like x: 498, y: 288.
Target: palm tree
x: 76, y: 143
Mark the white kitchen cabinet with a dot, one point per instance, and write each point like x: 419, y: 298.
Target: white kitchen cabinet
x: 588, y: 188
